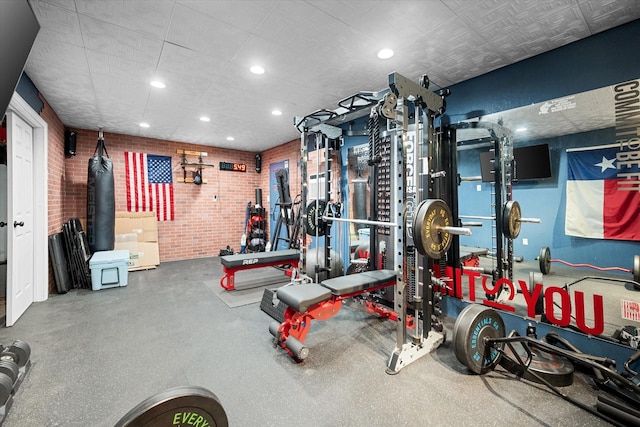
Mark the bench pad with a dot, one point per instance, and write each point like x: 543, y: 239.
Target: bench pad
x: 301, y: 297
x: 257, y: 258
x: 359, y: 282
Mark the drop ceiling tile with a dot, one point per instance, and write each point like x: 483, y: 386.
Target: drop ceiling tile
x: 67, y: 4
x: 604, y: 14
x: 202, y: 33
x: 392, y: 19
x: 105, y: 66
x: 150, y: 17
x: 107, y: 38
x: 347, y: 11
x: 548, y: 33
x: 245, y: 15
x: 298, y: 26
x: 63, y: 24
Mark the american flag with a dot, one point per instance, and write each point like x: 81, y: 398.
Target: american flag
x: 149, y: 184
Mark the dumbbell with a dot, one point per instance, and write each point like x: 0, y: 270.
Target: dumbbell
x: 19, y: 352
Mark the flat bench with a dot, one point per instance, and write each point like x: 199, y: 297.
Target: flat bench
x: 234, y: 263
x: 301, y: 297
x: 312, y: 301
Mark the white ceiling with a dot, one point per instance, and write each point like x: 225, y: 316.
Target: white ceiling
x: 93, y: 59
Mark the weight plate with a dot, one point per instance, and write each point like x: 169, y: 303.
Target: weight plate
x: 315, y: 225
x: 6, y: 385
x: 9, y: 368
x: 554, y: 369
x: 511, y: 215
x: 459, y: 344
x: 473, y: 327
x: 544, y: 259
x: 186, y: 405
x: 429, y: 238
x: 22, y: 350
x: 636, y: 268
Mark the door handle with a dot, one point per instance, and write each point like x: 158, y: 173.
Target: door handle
x: 18, y: 224
x: 3, y: 224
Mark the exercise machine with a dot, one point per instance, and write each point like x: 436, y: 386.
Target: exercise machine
x: 418, y: 226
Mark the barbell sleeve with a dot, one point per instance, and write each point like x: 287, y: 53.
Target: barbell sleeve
x: 472, y: 224
x: 456, y: 230
x: 534, y: 220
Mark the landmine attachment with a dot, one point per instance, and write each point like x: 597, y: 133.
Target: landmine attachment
x: 310, y: 301
x: 234, y: 263
x: 479, y: 343
x: 544, y: 261
x: 188, y: 405
x: 15, y: 363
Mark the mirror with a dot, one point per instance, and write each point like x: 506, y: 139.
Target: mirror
x: 582, y: 112
x: 584, y: 297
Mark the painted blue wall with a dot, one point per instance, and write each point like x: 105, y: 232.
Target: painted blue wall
x: 601, y: 60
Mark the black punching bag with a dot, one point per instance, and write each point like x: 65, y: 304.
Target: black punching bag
x: 101, y: 200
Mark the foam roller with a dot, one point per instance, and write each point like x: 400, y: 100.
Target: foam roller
x: 297, y: 348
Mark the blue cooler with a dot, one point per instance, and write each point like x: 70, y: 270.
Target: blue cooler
x: 109, y: 269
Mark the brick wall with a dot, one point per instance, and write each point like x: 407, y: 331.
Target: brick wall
x: 202, y: 226
x: 56, y: 176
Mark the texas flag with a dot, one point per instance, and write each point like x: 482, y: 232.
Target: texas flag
x: 603, y: 193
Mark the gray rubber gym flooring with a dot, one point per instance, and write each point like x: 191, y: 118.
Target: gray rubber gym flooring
x: 97, y: 354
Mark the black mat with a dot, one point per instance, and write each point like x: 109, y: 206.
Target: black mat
x: 249, y: 286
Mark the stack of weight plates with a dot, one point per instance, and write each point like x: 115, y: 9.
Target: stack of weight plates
x: 15, y: 362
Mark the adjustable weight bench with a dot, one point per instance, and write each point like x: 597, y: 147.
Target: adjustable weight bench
x: 312, y: 301
x: 234, y: 263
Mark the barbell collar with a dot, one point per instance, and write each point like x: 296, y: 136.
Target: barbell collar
x: 460, y: 231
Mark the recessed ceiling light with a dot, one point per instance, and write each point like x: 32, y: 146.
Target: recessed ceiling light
x: 521, y: 129
x: 144, y: 125
x: 205, y: 119
x: 276, y: 112
x: 256, y: 69
x: 385, y: 53
x: 230, y: 138
x: 158, y: 84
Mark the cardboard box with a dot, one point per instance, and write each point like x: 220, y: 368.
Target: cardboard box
x: 147, y: 256
x: 142, y: 224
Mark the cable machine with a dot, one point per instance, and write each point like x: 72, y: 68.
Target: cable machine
x: 422, y: 194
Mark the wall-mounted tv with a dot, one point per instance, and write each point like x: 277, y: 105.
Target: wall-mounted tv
x: 529, y: 163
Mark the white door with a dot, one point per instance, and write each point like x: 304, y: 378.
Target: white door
x: 20, y: 243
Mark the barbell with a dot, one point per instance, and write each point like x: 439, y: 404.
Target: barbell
x: 511, y: 219
x: 432, y: 225
x: 544, y: 260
